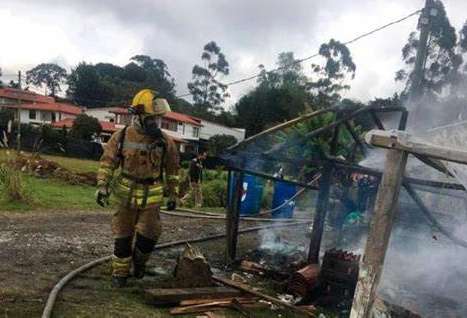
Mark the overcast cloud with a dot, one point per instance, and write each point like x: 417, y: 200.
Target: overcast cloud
x: 249, y: 33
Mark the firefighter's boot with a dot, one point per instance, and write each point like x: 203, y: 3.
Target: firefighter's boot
x: 141, y: 253
x: 120, y: 270
x: 139, y: 263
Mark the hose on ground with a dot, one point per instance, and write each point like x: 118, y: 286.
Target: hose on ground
x: 58, y: 287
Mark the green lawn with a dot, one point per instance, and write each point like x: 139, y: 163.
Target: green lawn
x: 51, y: 193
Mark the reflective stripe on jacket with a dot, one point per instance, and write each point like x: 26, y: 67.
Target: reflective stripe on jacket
x: 139, y: 182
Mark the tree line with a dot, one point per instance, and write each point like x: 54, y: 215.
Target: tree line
x: 280, y: 94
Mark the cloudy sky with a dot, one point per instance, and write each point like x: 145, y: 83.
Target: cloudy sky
x: 249, y: 33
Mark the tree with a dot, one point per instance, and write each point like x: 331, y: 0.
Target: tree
x: 85, y: 87
x: 208, y: 92
x: 85, y: 127
x: 217, y: 143
x: 157, y: 75
x: 48, y: 74
x: 6, y: 115
x: 265, y: 107
x: 331, y: 76
x: 443, y: 55
x: 289, y: 72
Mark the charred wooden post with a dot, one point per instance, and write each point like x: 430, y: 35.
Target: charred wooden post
x: 320, y: 215
x: 233, y: 213
x: 378, y: 236
x: 403, y: 120
x: 322, y: 205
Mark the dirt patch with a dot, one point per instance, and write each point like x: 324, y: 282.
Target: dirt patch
x: 38, y: 249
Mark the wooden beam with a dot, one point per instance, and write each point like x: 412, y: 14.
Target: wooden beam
x: 379, y: 233
x: 271, y: 299
x: 320, y: 215
x: 175, y: 295
x: 232, y: 218
x: 403, y: 141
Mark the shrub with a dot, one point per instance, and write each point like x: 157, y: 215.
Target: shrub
x: 215, y: 193
x: 13, y: 187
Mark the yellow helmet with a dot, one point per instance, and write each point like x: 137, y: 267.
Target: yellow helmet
x: 145, y: 103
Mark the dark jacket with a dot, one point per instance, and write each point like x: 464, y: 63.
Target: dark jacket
x: 196, y: 170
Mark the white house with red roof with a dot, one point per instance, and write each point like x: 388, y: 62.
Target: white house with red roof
x: 36, y: 108
x: 185, y: 130
x: 11, y: 96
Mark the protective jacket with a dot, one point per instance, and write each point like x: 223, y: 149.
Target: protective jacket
x: 142, y: 161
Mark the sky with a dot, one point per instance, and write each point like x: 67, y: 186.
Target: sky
x: 249, y: 33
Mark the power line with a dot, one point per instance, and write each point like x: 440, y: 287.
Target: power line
x: 317, y: 54
x: 279, y: 68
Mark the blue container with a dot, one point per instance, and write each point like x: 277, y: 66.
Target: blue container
x: 252, y: 195
x: 283, y: 192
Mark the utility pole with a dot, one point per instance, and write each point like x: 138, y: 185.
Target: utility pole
x: 18, y: 136
x: 416, y: 87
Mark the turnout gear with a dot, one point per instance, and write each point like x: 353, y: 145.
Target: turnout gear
x: 102, y: 196
x: 143, y: 155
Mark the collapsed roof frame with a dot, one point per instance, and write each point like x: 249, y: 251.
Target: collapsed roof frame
x: 236, y: 158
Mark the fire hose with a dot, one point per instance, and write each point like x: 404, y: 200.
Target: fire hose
x: 58, y: 287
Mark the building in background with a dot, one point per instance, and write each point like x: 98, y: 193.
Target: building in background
x: 190, y: 133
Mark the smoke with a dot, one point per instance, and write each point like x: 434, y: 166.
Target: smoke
x: 425, y: 273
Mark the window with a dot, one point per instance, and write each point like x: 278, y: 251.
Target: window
x: 169, y: 125
x: 32, y: 114
x: 195, y: 131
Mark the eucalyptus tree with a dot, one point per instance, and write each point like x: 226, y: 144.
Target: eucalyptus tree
x: 155, y: 75
x: 207, y: 90
x: 443, y: 62
x: 330, y: 78
x: 49, y: 75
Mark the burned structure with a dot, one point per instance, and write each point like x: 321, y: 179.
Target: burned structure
x: 323, y: 152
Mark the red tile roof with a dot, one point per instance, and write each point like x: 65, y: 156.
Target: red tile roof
x: 53, y: 107
x: 169, y: 115
x: 182, y: 118
x: 13, y: 93
x: 67, y: 122
x: 107, y: 126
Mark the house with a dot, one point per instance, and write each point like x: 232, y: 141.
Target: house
x: 37, y: 109
x: 11, y: 96
x: 211, y: 129
x: 183, y: 129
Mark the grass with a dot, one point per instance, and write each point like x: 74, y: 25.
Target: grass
x: 50, y: 193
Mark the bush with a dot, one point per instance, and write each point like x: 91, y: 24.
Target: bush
x: 13, y: 188
x: 215, y: 193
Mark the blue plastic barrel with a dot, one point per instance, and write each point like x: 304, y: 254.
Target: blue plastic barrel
x: 251, y: 196
x: 283, y: 192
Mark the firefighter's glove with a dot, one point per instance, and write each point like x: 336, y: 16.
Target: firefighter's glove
x: 102, y: 196
x: 171, y: 205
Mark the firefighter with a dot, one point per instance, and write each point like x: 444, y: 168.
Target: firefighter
x: 140, y: 153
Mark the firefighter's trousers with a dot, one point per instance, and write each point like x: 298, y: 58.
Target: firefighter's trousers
x: 135, y: 232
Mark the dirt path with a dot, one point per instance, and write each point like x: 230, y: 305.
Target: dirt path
x: 37, y: 249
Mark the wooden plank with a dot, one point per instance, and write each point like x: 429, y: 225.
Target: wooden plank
x: 379, y: 233
x: 190, y: 302
x: 216, y: 305
x: 271, y: 299
x: 175, y: 295
x: 404, y: 141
